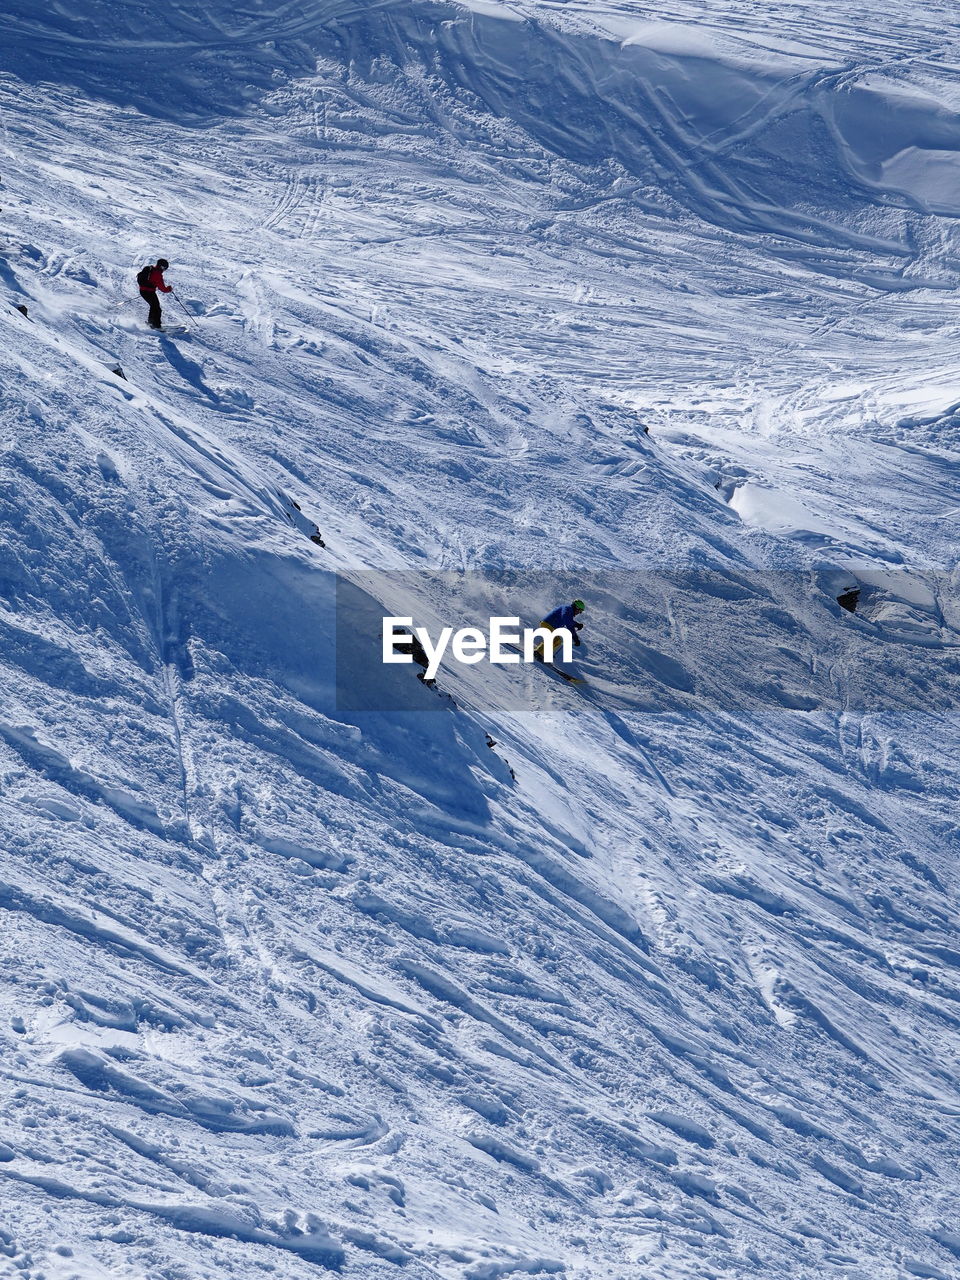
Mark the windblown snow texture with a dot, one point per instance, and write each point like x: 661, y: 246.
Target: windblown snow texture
x: 666, y: 982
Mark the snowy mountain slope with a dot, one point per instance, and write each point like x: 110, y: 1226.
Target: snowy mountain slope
x: 290, y: 988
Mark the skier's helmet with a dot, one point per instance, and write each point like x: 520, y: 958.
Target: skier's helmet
x: 162, y: 263
x: 579, y: 606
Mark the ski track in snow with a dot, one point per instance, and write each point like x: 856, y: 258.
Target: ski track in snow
x: 667, y: 982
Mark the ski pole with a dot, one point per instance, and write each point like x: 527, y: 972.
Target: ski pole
x: 184, y: 309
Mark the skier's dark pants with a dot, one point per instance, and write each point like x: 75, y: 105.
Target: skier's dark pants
x: 154, y: 318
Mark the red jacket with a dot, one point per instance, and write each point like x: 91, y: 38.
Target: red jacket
x: 156, y: 282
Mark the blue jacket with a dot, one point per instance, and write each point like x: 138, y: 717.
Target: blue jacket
x: 562, y: 616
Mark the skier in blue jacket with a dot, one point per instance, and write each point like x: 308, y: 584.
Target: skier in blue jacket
x: 563, y: 618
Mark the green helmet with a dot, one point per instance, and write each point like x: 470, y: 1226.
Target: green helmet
x: 579, y: 606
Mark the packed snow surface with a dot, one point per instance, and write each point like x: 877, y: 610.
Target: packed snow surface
x: 300, y: 974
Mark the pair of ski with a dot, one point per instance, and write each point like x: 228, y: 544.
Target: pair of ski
x: 550, y: 667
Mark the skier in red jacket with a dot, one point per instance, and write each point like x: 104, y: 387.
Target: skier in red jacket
x: 150, y: 279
